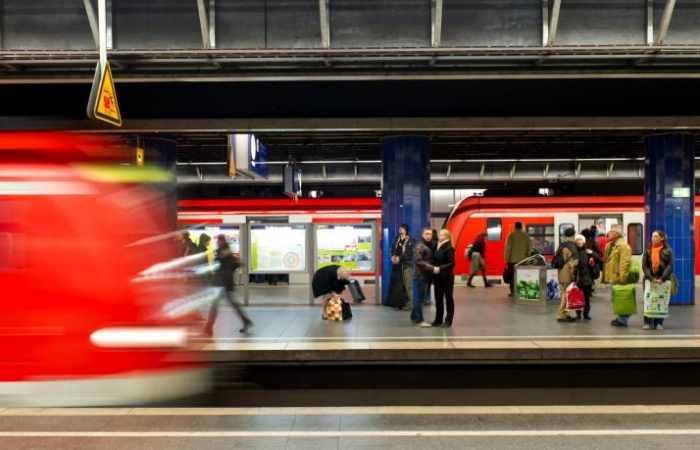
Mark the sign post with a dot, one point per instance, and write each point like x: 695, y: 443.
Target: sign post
x: 103, y: 104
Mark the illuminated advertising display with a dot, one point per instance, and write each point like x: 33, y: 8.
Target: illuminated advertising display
x: 349, y: 246
x: 277, y: 248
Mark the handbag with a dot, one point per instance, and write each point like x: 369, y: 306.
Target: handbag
x: 656, y: 299
x: 334, y: 310
x: 347, y: 310
x: 624, y: 297
x: 575, y: 300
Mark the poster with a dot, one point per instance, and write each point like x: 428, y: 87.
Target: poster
x: 277, y: 248
x: 349, y: 246
x: 528, y: 287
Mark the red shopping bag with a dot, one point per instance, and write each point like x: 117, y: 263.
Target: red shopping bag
x: 575, y: 299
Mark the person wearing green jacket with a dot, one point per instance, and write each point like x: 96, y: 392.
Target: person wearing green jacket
x: 518, y: 247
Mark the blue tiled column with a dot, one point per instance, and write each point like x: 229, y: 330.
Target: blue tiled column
x: 670, y: 175
x: 405, y: 193
x: 162, y: 151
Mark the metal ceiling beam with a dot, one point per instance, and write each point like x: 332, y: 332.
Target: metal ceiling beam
x: 554, y: 22
x: 324, y: 15
x: 92, y: 20
x: 545, y: 23
x: 203, y: 22
x: 436, y: 23
x: 665, y: 21
x: 212, y: 23
x: 494, y: 125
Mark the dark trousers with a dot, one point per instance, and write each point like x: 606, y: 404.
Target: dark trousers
x: 444, y: 289
x: 512, y: 278
x: 653, y: 322
x: 237, y: 308
x: 587, y: 293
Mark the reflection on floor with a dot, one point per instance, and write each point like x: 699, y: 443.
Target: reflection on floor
x: 479, y: 313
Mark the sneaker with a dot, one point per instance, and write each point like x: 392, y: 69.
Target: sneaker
x: 488, y: 285
x: 423, y: 325
x: 586, y: 317
x: 447, y: 325
x: 617, y: 323
x: 470, y: 285
x: 660, y: 327
x: 646, y: 326
x: 566, y: 319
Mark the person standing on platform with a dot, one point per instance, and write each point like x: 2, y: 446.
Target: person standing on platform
x: 657, y: 264
x: 204, y: 241
x: 402, y: 250
x: 444, y: 263
x: 224, y: 278
x: 618, y: 257
x: 424, y: 276
x: 477, y: 255
x: 518, y: 247
x: 566, y: 261
x: 433, y: 248
x: 587, y: 271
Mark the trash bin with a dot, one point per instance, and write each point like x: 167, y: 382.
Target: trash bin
x: 531, y: 280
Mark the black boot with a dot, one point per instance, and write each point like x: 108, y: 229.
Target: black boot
x: 486, y: 282
x: 469, y: 282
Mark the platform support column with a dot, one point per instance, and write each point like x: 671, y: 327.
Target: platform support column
x: 162, y: 151
x: 405, y: 193
x: 670, y: 203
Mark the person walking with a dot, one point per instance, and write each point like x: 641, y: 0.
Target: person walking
x: 224, y: 279
x: 402, y: 261
x: 477, y: 255
x: 444, y: 262
x: 204, y: 241
x: 566, y: 261
x: 518, y: 247
x: 586, y: 272
x: 618, y: 257
x: 424, y: 276
x: 657, y: 264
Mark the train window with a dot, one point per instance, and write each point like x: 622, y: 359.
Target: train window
x: 493, y: 229
x: 635, y: 231
x: 562, y: 228
x: 542, y: 238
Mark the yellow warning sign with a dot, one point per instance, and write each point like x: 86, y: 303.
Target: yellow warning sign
x: 103, y: 100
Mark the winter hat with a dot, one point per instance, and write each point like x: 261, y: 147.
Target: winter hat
x: 580, y: 237
x: 569, y: 232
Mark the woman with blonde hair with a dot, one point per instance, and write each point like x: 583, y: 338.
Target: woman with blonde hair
x: 444, y: 279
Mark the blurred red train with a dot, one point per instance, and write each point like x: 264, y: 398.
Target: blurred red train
x: 94, y: 307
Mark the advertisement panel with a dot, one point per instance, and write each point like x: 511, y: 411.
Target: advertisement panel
x: 349, y: 246
x: 277, y: 248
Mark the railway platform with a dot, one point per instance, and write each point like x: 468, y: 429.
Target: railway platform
x: 489, y: 328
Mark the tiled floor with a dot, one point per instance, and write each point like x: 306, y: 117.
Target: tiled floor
x: 479, y: 313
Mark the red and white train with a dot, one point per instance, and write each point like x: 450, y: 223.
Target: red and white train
x: 544, y: 219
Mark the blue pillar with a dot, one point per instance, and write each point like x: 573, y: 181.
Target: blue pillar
x: 405, y: 193
x: 670, y: 203
x: 162, y: 151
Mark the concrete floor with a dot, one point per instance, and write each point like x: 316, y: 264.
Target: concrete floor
x: 405, y: 428
x: 479, y: 312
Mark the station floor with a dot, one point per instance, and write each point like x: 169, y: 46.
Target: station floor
x: 508, y: 427
x: 480, y: 313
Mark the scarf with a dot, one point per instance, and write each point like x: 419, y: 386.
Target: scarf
x: 656, y: 257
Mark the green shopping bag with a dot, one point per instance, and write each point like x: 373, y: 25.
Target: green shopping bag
x: 624, y: 299
x: 656, y: 299
x: 635, y: 272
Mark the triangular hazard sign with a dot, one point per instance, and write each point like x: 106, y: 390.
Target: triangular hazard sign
x: 106, y: 107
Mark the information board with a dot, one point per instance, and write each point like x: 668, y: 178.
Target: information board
x: 349, y: 246
x: 277, y: 248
